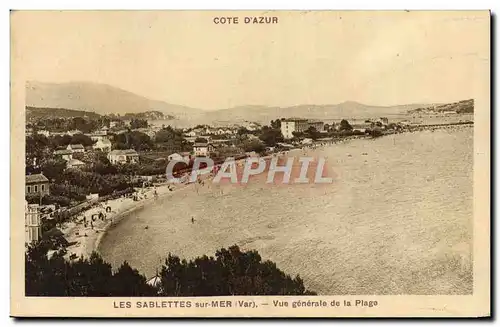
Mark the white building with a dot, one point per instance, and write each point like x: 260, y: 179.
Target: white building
x: 289, y: 126
x: 123, y: 156
x: 75, y: 163
x: 202, y: 149
x: 103, y: 145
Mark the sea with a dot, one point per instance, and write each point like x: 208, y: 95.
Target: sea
x: 397, y: 219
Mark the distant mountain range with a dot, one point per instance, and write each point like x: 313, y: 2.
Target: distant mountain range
x: 349, y: 109
x: 105, y: 99
x: 99, y: 98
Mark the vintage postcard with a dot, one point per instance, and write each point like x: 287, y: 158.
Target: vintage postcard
x: 250, y: 163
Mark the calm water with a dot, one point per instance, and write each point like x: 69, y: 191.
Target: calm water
x: 396, y: 220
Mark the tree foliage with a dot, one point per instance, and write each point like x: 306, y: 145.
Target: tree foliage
x: 138, y: 123
x: 55, y: 276
x: 132, y: 140
x: 271, y: 135
x: 312, y: 133
x: 171, y: 140
x: 231, y: 272
x: 254, y: 145
x: 53, y: 169
x: 345, y: 126
x: 81, y: 139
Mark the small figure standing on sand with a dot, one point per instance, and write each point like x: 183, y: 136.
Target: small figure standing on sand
x: 192, y: 219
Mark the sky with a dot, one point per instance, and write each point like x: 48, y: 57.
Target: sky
x: 183, y: 57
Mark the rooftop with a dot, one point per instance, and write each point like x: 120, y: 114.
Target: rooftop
x: 103, y: 141
x: 295, y: 119
x: 76, y: 146
x: 36, y: 178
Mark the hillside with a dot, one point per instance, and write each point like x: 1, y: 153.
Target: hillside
x: 99, y: 98
x: 148, y: 115
x: 464, y: 106
x: 34, y: 113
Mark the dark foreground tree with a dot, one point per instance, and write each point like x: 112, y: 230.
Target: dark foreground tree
x: 54, y: 276
x: 231, y: 272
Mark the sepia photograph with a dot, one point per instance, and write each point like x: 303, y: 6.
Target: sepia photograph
x: 266, y: 162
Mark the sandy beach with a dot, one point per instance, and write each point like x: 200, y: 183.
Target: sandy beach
x: 85, y: 239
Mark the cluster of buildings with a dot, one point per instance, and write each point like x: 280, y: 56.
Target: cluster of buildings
x: 290, y: 126
x: 78, y: 156
x: 102, y: 144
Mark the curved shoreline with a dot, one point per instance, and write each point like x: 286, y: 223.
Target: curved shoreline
x: 120, y: 216
x: 85, y: 244
x: 319, y: 232
x: 115, y: 221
